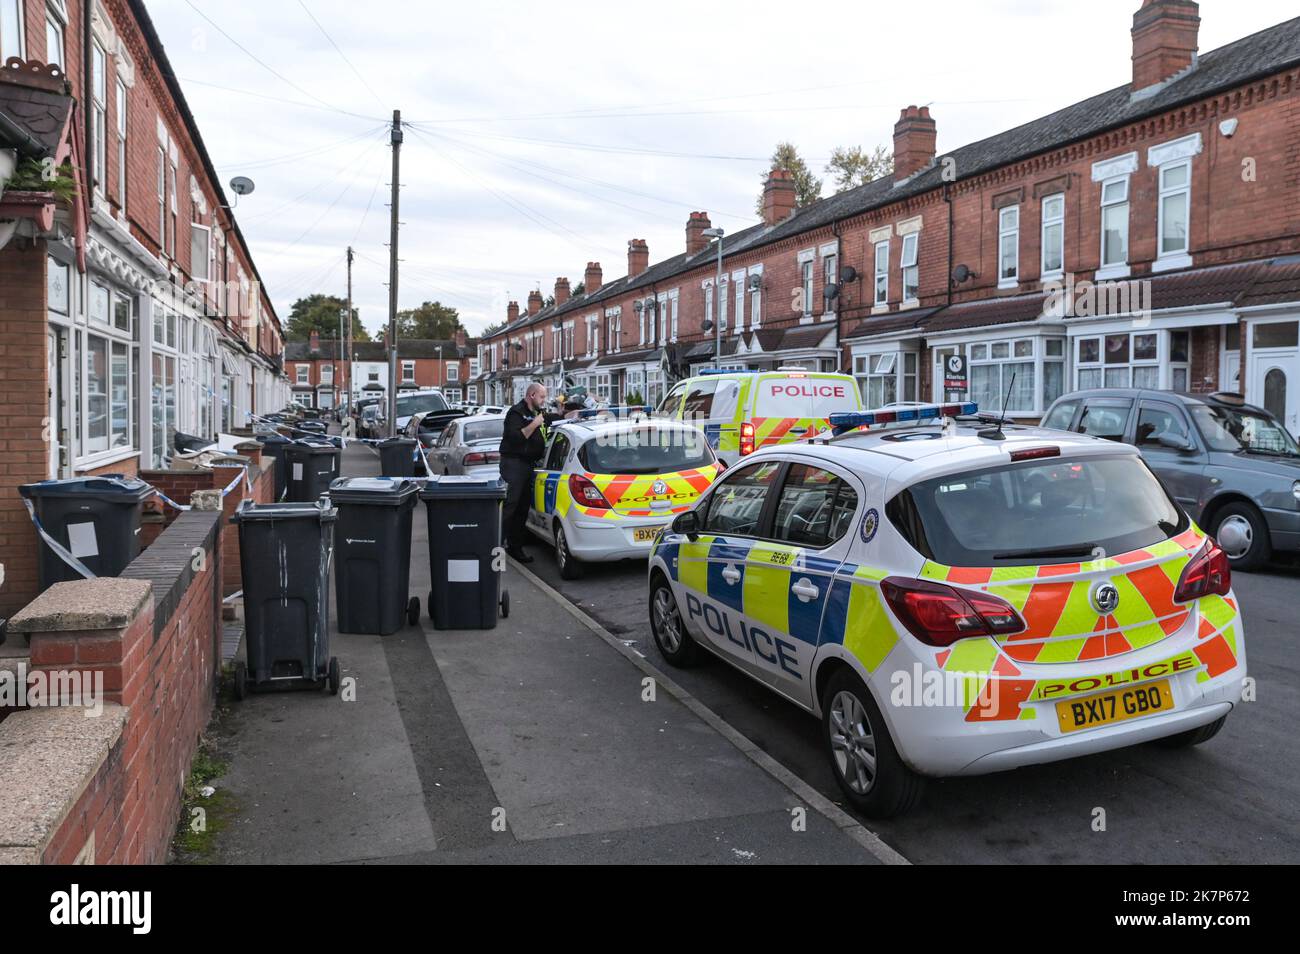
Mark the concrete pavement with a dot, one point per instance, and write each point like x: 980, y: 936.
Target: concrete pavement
x: 535, y: 742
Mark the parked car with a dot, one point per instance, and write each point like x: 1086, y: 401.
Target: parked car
x: 427, y: 427
x: 1232, y: 466
x: 422, y: 401
x: 469, y: 445
x: 371, y: 422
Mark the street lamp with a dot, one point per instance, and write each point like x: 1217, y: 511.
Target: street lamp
x: 338, y: 374
x: 717, y: 233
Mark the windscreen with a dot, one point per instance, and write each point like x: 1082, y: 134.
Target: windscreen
x: 646, y: 450
x: 1054, y: 511
x: 797, y: 396
x: 483, y: 431
x: 420, y: 404
x: 1226, y: 429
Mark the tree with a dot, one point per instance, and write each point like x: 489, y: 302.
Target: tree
x: 807, y: 188
x: 432, y: 319
x: 854, y: 166
x: 320, y: 313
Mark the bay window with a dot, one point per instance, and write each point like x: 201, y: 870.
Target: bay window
x: 1028, y: 374
x: 1133, y: 360
x: 886, y: 377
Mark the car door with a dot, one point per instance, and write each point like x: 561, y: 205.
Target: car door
x: 711, y: 568
x: 441, y: 454
x: 1160, y: 426
x: 550, y: 492
x: 1106, y: 417
x: 789, y: 573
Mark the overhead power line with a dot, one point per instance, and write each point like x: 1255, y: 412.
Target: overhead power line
x: 340, y: 52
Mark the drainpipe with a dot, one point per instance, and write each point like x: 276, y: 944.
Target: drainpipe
x: 839, y: 311
x: 87, y: 41
x: 947, y: 197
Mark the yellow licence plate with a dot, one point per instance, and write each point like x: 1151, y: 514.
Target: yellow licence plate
x: 644, y: 534
x: 1131, y: 703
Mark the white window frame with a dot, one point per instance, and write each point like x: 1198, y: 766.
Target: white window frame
x: 1008, y: 230
x: 808, y: 283
x: 887, y: 367
x: 327, y: 374
x: 55, y: 36
x: 738, y: 282
x: 201, y: 271
x: 908, y: 261
x: 122, y: 127
x: 1115, y: 269
x: 408, y: 371
x: 14, y: 15
x: 302, y: 374
x: 1178, y: 257
x: 453, y: 371
x: 830, y: 276
x: 99, y: 113
x: 755, y: 300
x: 1048, y: 221
x: 1168, y: 370
x: 881, y: 286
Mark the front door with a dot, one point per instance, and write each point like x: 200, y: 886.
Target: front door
x: 1275, y: 386
x: 56, y: 427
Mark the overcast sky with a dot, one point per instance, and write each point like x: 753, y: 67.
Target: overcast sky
x: 547, y: 135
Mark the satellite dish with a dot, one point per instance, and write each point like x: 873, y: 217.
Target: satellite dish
x: 241, y: 185
x: 848, y: 274
x: 961, y: 273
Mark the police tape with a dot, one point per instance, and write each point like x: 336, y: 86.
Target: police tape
x: 169, y: 502
x: 58, y: 549
x: 300, y: 430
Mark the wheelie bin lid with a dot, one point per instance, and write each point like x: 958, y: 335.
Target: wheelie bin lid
x: 455, y: 486
x: 396, y: 442
x: 312, y: 445
x: 274, y: 439
x: 374, y: 491
x: 114, y: 488
x: 320, y: 510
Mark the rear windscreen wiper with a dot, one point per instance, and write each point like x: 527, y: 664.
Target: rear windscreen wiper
x: 1073, y: 549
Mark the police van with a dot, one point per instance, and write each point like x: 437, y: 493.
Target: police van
x: 742, y: 411
x: 955, y: 597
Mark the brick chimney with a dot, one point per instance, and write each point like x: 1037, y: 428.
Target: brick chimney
x: 561, y: 291
x: 779, y: 196
x: 1164, y: 41
x: 460, y: 337
x: 534, y: 301
x: 591, y: 281
x: 512, y: 312
x: 638, y: 257
x: 695, y: 226
x: 313, y: 343
x: 914, y: 141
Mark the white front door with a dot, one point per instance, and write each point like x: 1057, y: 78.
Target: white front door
x: 56, y: 425
x: 1275, y: 386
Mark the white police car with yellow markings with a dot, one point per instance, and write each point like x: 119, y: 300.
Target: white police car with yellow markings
x: 611, y: 480
x: 955, y: 597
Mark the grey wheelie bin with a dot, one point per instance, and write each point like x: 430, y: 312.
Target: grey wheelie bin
x: 273, y: 446
x: 397, y: 457
x: 464, y: 516
x: 312, y: 464
x: 285, y: 551
x: 97, y: 519
x: 372, y: 556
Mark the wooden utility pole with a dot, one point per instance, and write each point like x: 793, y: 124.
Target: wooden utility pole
x: 351, y: 361
x: 396, y: 140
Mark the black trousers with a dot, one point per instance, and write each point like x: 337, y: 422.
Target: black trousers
x: 517, y: 472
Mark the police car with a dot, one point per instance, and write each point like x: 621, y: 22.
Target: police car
x: 742, y: 411
x: 956, y: 596
x: 611, y: 480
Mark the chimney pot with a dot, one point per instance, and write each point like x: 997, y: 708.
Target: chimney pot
x: 779, y: 196
x: 1164, y: 41
x: 638, y: 257
x: 512, y: 312
x: 591, y: 281
x: 915, y: 138
x: 561, y: 291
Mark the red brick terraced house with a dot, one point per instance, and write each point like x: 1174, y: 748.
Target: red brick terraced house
x: 130, y: 309
x: 1148, y: 236
x: 319, y: 378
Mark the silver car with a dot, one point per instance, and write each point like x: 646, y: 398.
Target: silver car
x: 1232, y: 466
x: 469, y: 446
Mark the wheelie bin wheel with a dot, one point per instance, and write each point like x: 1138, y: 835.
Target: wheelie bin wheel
x: 334, y: 675
x: 413, y: 610
x: 505, y: 604
x: 241, y: 681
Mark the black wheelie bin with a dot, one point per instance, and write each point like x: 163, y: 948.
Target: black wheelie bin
x: 285, y: 551
x: 397, y: 457
x: 97, y: 519
x: 312, y: 465
x: 372, y: 556
x: 464, y: 516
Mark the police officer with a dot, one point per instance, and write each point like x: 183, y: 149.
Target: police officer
x: 522, y: 443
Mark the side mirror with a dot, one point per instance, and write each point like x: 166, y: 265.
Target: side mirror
x: 687, y: 523
x: 1175, y: 442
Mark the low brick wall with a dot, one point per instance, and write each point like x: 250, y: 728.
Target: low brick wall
x: 107, y: 788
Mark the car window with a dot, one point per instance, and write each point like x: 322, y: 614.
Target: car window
x: 484, y: 431
x: 648, y: 449
x: 815, y: 507
x: 558, y: 452
x: 1021, y: 514
x: 448, y: 436
x: 736, y: 506
x: 420, y: 403
x: 1157, y: 420
x: 672, y: 403
x: 698, y: 404
x: 1228, y: 429
x: 1104, y: 419
x: 1061, y: 416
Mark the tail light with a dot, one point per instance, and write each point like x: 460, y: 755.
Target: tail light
x: 939, y: 615
x: 587, y: 493
x: 1208, y: 573
x: 746, y: 439
x: 482, y: 457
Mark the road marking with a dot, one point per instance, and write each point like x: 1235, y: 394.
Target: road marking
x: 837, y: 816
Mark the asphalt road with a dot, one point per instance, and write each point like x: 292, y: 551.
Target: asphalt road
x: 1233, y: 799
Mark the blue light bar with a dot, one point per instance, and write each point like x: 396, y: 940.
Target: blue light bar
x: 728, y: 371
x: 850, y: 420
x: 615, y: 411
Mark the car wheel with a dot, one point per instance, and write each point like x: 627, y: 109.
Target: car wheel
x: 1240, y: 531
x: 570, y: 567
x: 1193, y: 736
x: 675, y: 644
x: 866, y: 764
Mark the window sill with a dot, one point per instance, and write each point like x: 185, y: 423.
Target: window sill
x: 1056, y: 276
x: 104, y: 459
x: 1008, y: 284
x: 1110, y: 272
x: 880, y: 309
x: 1170, y: 263
x: 909, y: 303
